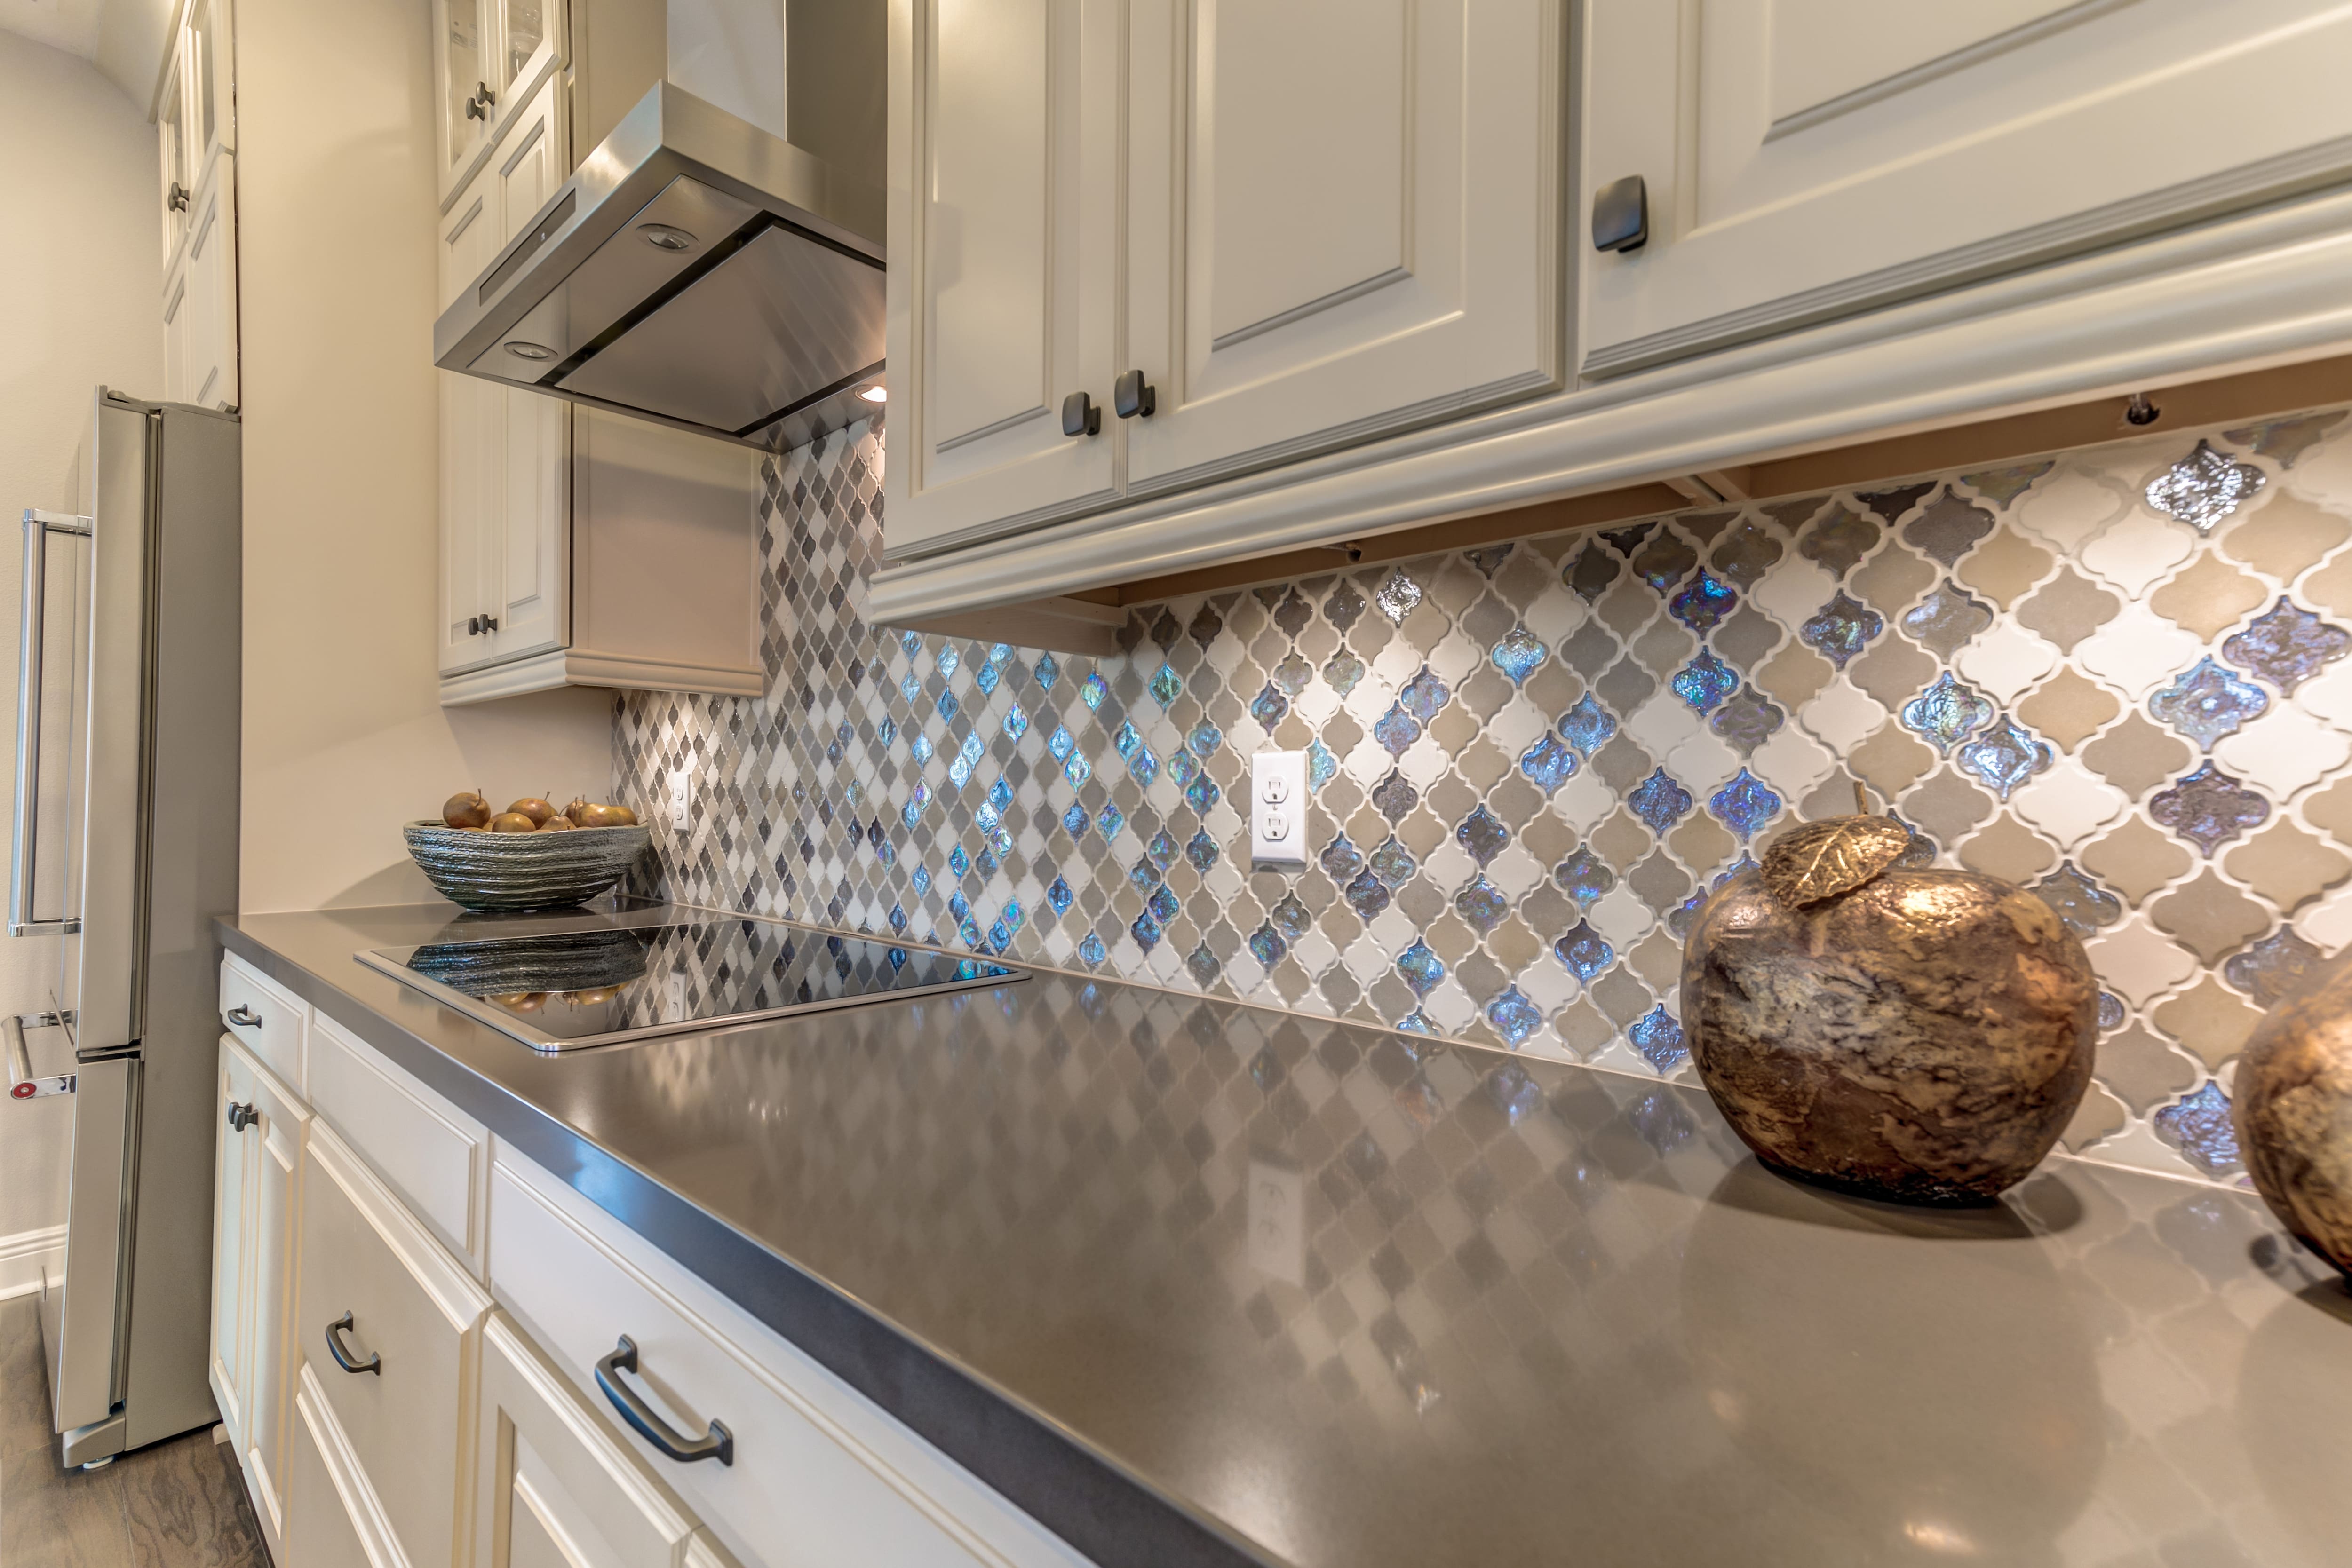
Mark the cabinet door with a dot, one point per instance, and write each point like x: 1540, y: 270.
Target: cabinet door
x: 473, y: 446
x: 274, y: 1183
x: 233, y: 1162
x: 178, y: 321
x: 464, y: 55
x: 176, y: 179
x: 210, y: 377
x: 210, y: 63
x: 1003, y: 263
x: 326, y: 1500
x: 1343, y: 221
x: 531, y: 39
x: 1807, y: 158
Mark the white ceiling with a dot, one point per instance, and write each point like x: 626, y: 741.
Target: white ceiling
x: 123, y: 38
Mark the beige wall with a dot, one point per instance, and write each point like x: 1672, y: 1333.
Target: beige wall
x: 344, y: 736
x: 81, y: 275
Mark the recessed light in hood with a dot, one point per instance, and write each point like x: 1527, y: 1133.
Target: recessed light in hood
x: 666, y: 237
x: 530, y: 351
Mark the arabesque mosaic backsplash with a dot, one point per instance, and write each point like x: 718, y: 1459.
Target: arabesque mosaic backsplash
x: 2116, y: 675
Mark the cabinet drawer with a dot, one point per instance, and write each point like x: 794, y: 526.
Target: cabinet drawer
x: 819, y: 1477
x: 265, y: 1017
x: 555, y: 1472
x: 401, y: 1301
x: 426, y: 1150
x: 331, y: 1517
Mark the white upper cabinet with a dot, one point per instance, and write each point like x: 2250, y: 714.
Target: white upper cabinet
x: 195, y: 118
x: 1806, y: 159
x: 1003, y: 236
x: 176, y: 171
x: 1343, y: 219
x: 488, y: 57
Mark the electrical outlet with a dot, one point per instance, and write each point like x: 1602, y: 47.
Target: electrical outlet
x: 674, y: 998
x: 1278, y: 810
x: 681, y: 799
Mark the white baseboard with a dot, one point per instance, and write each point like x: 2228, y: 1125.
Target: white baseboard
x: 25, y: 1254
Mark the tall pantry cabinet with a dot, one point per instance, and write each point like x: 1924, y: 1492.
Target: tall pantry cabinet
x: 578, y: 547
x: 195, y: 123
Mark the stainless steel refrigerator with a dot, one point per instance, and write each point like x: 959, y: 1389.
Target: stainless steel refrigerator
x: 125, y: 847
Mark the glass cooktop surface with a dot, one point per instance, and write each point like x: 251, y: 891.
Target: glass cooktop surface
x: 565, y: 990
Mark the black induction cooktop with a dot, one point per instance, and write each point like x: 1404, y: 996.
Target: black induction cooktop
x: 569, y: 989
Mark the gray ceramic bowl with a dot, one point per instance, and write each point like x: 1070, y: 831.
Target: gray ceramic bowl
x: 523, y: 870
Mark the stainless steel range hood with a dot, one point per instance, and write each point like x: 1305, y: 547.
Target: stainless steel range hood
x: 696, y: 270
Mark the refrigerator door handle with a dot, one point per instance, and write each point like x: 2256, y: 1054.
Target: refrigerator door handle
x: 39, y: 527
x: 22, y: 1083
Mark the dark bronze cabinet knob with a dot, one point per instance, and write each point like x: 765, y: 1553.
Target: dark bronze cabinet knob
x: 1132, y: 397
x: 1080, y: 416
x: 1621, y: 216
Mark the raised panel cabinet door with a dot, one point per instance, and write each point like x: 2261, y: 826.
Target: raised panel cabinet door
x: 473, y: 446
x: 1343, y: 220
x: 275, y: 1184
x: 1003, y: 279
x: 1807, y: 158
x: 464, y: 56
x: 178, y: 320
x: 176, y: 173
x: 210, y: 374
x: 233, y: 1162
x: 530, y: 42
x: 333, y: 1519
x: 212, y: 79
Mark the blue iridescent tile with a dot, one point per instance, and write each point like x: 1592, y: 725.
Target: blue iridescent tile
x: 1269, y: 707
x: 1290, y: 917
x: 1396, y: 730
x: 1414, y: 1022
x: 897, y: 917
x: 1841, y: 629
x: 2208, y: 702
x: 1146, y: 930
x: 1394, y: 797
x: 1548, y: 763
x: 1518, y: 653
x: 1059, y: 896
x: 1268, y: 945
x: 2269, y: 970
x: 1014, y: 915
x: 1659, y: 800
x: 1422, y: 968
x: 948, y: 660
x: 1291, y: 676
x: 958, y: 905
x: 2208, y: 808
x: 2204, y: 487
x: 1092, y: 949
x: 1483, y: 834
x: 1658, y: 1036
x: 2287, y: 645
x: 969, y: 932
x: 2082, y: 905
x: 1163, y: 903
x: 2005, y: 755
x: 1000, y: 795
x: 1143, y: 766
x: 1061, y: 743
x: 921, y: 877
x: 1702, y: 602
x: 1343, y: 671
x: 1588, y: 725
x: 1078, y: 770
x: 1396, y: 597
x: 1201, y: 851
x: 1514, y: 1017
x: 1143, y: 876
x: 1743, y: 805
x: 909, y: 687
x: 1126, y: 740
x: 1746, y: 720
x: 1948, y: 713
x: 1682, y: 916
x: 1167, y: 685
x: 1320, y: 765
x: 1340, y: 860
x: 912, y: 641
x: 2200, y: 1128
x: 1585, y: 952
x: 1181, y: 769
x: 1201, y: 793
x: 1481, y: 905
x: 912, y: 813
x: 1000, y: 935
x: 1367, y: 895
x: 1048, y: 671
x: 2112, y: 1011
x: 971, y: 751
x: 986, y: 677
x: 887, y: 731
x: 1205, y: 738
x: 1162, y: 851
x: 1585, y: 877
x: 1393, y: 864
x: 1705, y: 682
x: 1424, y: 695
x: 959, y: 862
x: 1202, y: 965
x: 1092, y: 690
x: 919, y: 746
x: 949, y: 706
x: 1110, y: 822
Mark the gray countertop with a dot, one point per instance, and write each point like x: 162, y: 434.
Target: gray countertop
x: 1200, y: 1283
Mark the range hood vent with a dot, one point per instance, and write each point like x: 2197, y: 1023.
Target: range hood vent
x: 696, y: 270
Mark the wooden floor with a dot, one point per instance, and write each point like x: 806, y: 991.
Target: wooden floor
x: 180, y: 1504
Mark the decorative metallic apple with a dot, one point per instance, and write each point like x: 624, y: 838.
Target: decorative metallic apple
x: 1910, y: 1034
x: 2294, y: 1111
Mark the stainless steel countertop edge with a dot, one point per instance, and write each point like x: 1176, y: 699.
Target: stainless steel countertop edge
x: 1090, y: 1500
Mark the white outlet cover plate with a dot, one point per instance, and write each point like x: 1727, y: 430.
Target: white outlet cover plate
x: 1278, y: 810
x: 681, y: 798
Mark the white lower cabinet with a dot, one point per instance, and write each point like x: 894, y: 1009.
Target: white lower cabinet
x: 389, y: 1414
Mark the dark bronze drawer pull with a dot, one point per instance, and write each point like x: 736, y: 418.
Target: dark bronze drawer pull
x: 243, y: 1016
x: 343, y: 1357
x: 719, y: 1445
